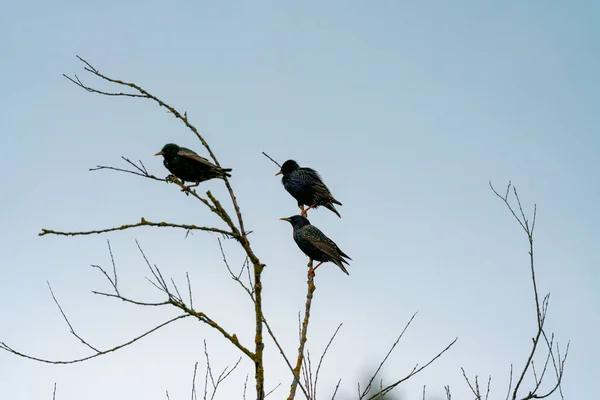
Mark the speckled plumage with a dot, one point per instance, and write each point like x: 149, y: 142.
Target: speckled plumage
x: 315, y: 244
x: 307, y: 187
x: 188, y: 166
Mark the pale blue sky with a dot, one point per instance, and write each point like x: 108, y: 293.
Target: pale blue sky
x: 406, y: 108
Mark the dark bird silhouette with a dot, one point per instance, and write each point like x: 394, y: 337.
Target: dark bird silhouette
x: 315, y: 244
x: 307, y: 187
x: 188, y: 166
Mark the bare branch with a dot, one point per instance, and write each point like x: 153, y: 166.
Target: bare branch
x: 187, y: 276
x: 234, y: 276
x: 369, y: 385
x: 67, y: 321
x: 5, y: 347
x: 125, y: 299
x: 303, y: 338
x: 269, y: 157
x: 139, y: 170
x: 272, y: 390
x: 474, y: 390
x: 415, y: 371
x: 143, y: 222
x: 287, y: 361
x: 314, y: 394
x: 336, y: 389
x: 541, y: 311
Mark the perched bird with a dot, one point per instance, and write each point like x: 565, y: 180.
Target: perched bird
x: 306, y: 186
x: 188, y: 166
x: 315, y: 244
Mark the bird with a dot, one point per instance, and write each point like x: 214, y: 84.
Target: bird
x: 188, y: 166
x: 315, y: 244
x: 307, y: 187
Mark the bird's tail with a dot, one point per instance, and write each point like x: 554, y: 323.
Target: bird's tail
x: 331, y: 207
x: 339, y: 264
x: 344, y: 255
x: 225, y: 172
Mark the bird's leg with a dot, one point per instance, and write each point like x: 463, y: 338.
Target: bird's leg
x: 304, y: 212
x: 312, y: 270
x: 301, y: 206
x: 184, y: 188
x: 310, y: 263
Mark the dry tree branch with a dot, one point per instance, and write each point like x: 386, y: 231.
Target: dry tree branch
x: 510, y: 377
x: 303, y: 338
x: 5, y: 347
x: 245, y: 385
x: 222, y: 376
x: 269, y: 157
x: 69, y: 323
x: 369, y: 384
x: 143, y: 222
x: 234, y: 276
x: 287, y: 361
x: 140, y: 170
x: 178, y: 302
x: 309, y: 382
x: 541, y: 310
x: 475, y: 389
x: 314, y: 394
x: 337, y: 386
x: 272, y: 390
x: 415, y: 370
x: 194, y: 395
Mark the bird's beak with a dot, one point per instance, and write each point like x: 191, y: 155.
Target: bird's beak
x: 160, y: 153
x: 285, y: 219
x: 279, y: 173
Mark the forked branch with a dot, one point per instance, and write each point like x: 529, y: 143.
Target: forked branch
x: 553, y: 355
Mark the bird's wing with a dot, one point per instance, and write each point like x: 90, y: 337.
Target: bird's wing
x: 322, y: 242
x: 193, y: 156
x: 317, y: 184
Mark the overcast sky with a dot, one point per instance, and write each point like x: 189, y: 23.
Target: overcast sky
x: 407, y: 109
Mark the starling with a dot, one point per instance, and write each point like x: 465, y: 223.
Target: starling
x: 188, y: 166
x: 315, y: 244
x: 306, y: 186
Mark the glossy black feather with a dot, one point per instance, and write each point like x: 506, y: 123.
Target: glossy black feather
x: 307, y: 187
x: 315, y: 244
x: 188, y: 166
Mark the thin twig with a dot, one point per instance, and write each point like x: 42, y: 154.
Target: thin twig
x: 415, y: 371
x: 269, y: 157
x: 67, y: 321
x: 336, y: 388
x: 314, y: 394
x: 369, y: 385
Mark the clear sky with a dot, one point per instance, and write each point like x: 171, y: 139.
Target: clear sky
x: 407, y: 109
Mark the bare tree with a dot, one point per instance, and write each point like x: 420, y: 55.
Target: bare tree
x: 553, y: 359
x: 248, y: 277
x: 302, y: 374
